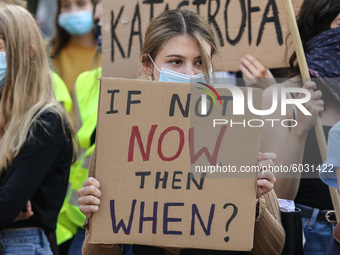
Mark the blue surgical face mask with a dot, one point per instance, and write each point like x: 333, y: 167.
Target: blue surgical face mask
x: 173, y: 76
x: 76, y: 23
x: 168, y: 75
x: 3, y: 69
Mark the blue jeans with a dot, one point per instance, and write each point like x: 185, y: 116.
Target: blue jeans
x: 317, y: 232
x: 127, y: 249
x: 77, y: 242
x: 26, y: 242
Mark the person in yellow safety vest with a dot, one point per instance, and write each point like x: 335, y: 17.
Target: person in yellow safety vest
x: 70, y: 219
x: 86, y: 96
x: 64, y: 231
x: 86, y: 103
x: 61, y: 92
x: 63, y: 96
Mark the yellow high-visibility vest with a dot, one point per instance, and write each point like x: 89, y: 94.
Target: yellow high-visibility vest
x: 87, y: 96
x: 61, y: 92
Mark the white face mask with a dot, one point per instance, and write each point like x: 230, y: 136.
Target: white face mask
x: 168, y: 75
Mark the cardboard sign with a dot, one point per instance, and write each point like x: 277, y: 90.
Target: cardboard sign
x: 155, y: 156
x: 257, y: 27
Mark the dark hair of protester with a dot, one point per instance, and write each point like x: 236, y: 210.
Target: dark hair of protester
x: 315, y: 17
x: 61, y: 38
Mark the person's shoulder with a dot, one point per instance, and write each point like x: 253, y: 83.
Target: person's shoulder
x: 49, y: 115
x: 50, y: 121
x: 336, y: 128
x: 86, y: 82
x: 47, y: 126
x: 96, y: 73
x: 334, y: 138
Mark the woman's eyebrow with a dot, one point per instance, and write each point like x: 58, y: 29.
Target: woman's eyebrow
x: 180, y: 56
x: 174, y: 56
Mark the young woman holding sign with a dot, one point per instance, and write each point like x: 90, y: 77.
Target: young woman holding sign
x: 36, y: 138
x: 179, y: 45
x: 319, y: 26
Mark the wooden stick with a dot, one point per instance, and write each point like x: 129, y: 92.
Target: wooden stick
x: 300, y: 54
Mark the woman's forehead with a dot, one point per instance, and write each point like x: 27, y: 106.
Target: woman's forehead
x: 184, y: 44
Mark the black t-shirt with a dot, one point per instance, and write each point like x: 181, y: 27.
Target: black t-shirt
x: 312, y: 191
x: 39, y: 173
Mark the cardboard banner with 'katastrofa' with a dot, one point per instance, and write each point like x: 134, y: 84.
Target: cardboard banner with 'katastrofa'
x: 157, y: 154
x: 257, y: 27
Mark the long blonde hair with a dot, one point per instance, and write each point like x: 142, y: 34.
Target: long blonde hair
x: 179, y: 22
x: 22, y: 3
x: 28, y: 89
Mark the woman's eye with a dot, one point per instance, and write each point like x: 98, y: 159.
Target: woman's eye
x: 81, y: 3
x: 65, y: 6
x: 199, y: 62
x: 176, y: 62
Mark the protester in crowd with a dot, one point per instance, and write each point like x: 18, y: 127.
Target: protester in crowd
x: 36, y: 138
x: 70, y: 229
x: 60, y: 89
x: 331, y: 176
x: 332, y: 163
x: 93, y: 75
x: 74, y: 47
x: 318, y: 22
x: 183, y: 42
